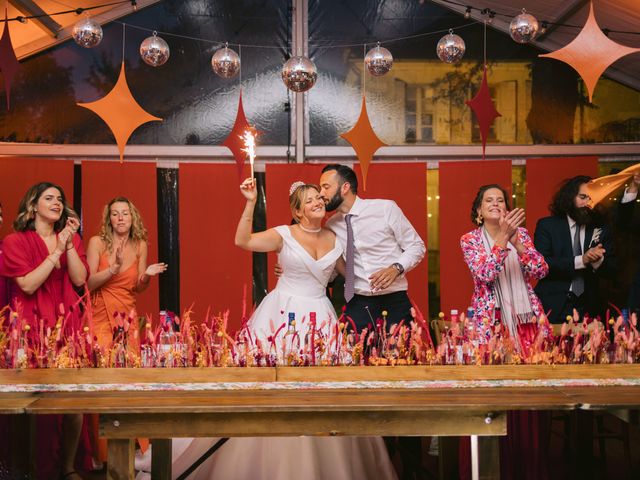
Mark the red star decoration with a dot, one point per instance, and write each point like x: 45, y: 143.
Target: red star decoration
x: 8, y: 61
x: 591, y: 53
x: 484, y: 109
x: 121, y: 112
x: 364, y: 141
x: 234, y: 141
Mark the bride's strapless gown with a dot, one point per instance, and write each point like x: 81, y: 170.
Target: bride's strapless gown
x: 302, y: 290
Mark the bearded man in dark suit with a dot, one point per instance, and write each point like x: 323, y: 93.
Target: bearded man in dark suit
x: 578, y: 248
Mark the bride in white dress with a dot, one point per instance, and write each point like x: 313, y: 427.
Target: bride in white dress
x: 308, y: 254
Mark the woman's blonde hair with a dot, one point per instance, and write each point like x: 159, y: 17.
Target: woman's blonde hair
x: 297, y: 196
x: 27, y: 208
x: 137, y: 233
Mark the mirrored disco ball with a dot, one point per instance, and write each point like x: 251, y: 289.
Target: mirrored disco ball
x: 87, y: 32
x: 154, y: 50
x: 378, y: 61
x: 451, y: 48
x: 524, y: 28
x: 299, y: 74
x: 225, y: 63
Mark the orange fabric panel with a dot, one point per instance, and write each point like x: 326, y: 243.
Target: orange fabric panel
x: 279, y: 178
x: 213, y: 271
x: 459, y: 183
x: 17, y: 174
x: 102, y: 181
x: 544, y: 176
x: 404, y: 183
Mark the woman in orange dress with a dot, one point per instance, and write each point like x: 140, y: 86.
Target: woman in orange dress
x: 117, y: 259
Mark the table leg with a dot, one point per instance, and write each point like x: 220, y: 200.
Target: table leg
x: 161, y: 459
x: 121, y: 454
x: 489, y: 454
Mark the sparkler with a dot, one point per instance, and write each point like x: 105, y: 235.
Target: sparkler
x: 249, y: 139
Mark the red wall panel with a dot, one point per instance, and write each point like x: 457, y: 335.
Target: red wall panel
x: 17, y: 174
x: 102, y: 181
x: 213, y: 271
x: 544, y: 176
x: 459, y: 183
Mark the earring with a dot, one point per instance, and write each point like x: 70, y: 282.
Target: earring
x: 479, y: 219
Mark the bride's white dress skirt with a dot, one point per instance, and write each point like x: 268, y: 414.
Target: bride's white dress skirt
x: 285, y: 458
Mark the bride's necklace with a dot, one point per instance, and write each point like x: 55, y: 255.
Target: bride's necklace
x: 310, y: 230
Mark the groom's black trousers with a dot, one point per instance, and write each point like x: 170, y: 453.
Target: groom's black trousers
x: 366, y: 310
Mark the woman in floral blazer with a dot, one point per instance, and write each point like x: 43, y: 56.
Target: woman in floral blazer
x: 497, y: 244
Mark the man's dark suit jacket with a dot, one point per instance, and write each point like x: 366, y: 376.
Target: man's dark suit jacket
x: 554, y: 241
x: 627, y: 221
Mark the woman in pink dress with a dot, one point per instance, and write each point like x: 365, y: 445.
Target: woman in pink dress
x: 44, y: 260
x: 503, y: 263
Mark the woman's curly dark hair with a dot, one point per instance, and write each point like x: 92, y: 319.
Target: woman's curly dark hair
x: 563, y: 201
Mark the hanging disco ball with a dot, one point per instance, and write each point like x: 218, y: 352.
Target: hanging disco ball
x: 299, y: 74
x: 225, y: 62
x: 87, y: 32
x: 451, y: 48
x: 154, y: 50
x: 378, y: 61
x: 524, y: 28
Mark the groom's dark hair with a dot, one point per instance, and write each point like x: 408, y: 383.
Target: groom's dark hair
x: 345, y: 174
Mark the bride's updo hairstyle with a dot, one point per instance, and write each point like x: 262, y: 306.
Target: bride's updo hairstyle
x: 297, y: 195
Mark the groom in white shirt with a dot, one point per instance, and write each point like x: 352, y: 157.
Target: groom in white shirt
x: 380, y: 246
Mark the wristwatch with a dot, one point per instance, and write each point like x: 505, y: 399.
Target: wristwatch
x: 399, y: 267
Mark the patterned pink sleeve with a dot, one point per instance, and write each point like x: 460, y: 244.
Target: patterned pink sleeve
x: 532, y: 262
x: 484, y: 266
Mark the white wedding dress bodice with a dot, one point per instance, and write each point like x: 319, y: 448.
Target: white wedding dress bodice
x: 301, y: 290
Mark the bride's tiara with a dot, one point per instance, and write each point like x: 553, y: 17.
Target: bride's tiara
x: 295, y: 186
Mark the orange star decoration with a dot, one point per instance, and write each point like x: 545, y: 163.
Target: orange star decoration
x: 235, y: 140
x: 591, y: 53
x: 8, y: 61
x: 121, y: 112
x: 364, y: 141
x: 484, y: 109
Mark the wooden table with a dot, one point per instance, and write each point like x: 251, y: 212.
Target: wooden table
x: 389, y: 408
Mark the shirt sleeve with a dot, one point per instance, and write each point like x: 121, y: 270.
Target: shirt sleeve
x: 412, y: 246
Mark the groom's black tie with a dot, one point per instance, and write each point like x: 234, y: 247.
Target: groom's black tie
x: 349, y: 276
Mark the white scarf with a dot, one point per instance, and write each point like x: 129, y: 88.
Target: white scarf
x: 512, y: 294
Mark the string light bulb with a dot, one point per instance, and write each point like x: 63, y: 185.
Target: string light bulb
x: 467, y: 13
x: 543, y: 27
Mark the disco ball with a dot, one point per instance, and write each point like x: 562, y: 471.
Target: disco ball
x: 225, y: 62
x: 154, y: 50
x: 378, y: 61
x: 299, y: 74
x: 524, y: 28
x: 87, y: 32
x: 451, y: 48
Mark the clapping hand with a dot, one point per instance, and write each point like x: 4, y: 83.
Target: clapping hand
x: 156, y: 268
x: 509, y: 224
x: 248, y: 189
x: 65, y: 236
x: 594, y: 254
x: 114, y: 268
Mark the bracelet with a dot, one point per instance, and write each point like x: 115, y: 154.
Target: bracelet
x: 51, y: 260
x: 71, y: 247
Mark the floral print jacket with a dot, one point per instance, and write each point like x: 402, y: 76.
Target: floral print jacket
x: 485, y: 268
